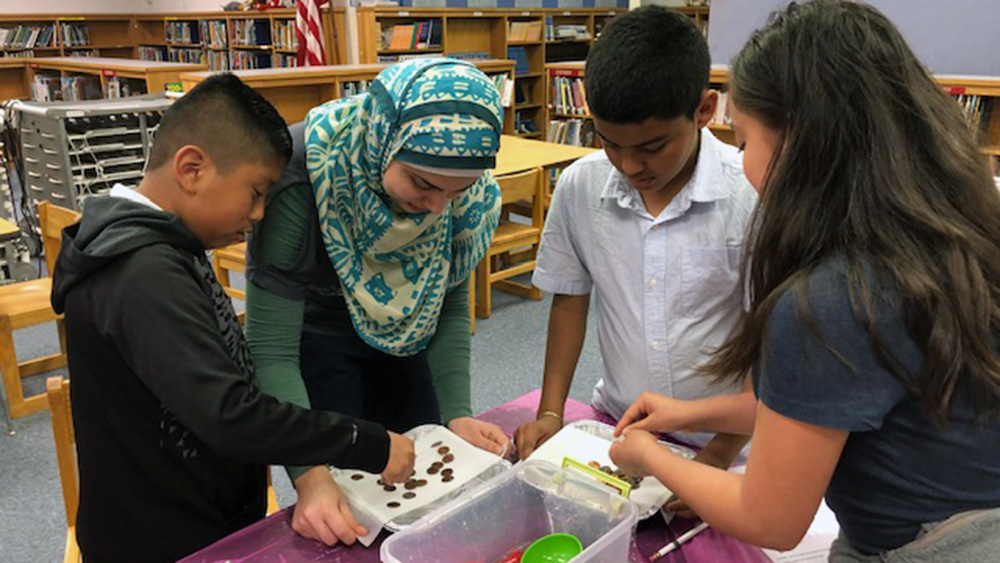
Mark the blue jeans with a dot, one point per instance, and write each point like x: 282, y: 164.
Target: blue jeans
x: 344, y: 375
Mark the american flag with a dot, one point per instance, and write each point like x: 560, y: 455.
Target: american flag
x: 309, y: 31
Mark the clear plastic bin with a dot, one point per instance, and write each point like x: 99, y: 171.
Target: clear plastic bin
x: 514, y: 509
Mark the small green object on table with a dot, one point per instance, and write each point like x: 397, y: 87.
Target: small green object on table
x: 553, y: 548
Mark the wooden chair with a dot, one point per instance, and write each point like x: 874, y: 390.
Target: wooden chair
x: 28, y: 303
x: 61, y: 412
x: 226, y: 259
x: 510, y: 236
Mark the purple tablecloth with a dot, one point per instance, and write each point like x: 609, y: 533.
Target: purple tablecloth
x: 272, y: 540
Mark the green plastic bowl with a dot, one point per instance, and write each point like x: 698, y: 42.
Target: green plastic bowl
x: 553, y: 548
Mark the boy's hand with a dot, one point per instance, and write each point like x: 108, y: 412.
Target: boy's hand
x: 401, y: 459
x: 532, y: 434
x: 653, y: 412
x: 322, y: 512
x: 484, y: 435
x: 630, y: 454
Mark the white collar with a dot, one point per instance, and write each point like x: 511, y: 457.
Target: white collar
x: 125, y: 192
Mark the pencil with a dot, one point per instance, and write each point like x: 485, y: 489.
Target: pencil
x: 684, y: 538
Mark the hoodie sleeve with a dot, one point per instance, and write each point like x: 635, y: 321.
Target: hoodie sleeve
x: 178, y: 352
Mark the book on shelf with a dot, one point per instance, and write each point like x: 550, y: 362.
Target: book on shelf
x: 285, y: 60
x: 520, y: 57
x: 505, y: 86
x: 83, y: 53
x: 524, y: 125
x: 407, y: 57
x: 76, y: 88
x: 577, y: 132
x: 152, y: 53
x: 284, y: 35
x: 470, y: 55
x: 46, y: 88
x: 251, y: 33
x: 246, y: 60
x: 355, y: 87
x: 120, y: 87
x: 522, y: 93
x: 185, y: 55
x: 75, y: 34
x: 568, y: 97
x: 721, y: 116
x: 186, y: 32
x: 569, y: 32
x: 975, y: 108
x: 213, y: 33
x: 422, y: 34
x: 27, y: 36
x: 218, y: 60
x: 17, y: 54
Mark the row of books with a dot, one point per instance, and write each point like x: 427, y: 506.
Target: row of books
x: 119, y: 87
x: 218, y: 60
x: 285, y: 60
x: 520, y: 32
x: 406, y: 57
x: 185, y: 55
x: 417, y: 35
x: 213, y: 32
x: 355, y: 87
x: 75, y: 34
x: 251, y: 32
x: 244, y: 60
x: 83, y: 53
x: 284, y: 35
x: 578, y: 132
x: 568, y: 96
x: 975, y: 108
x: 566, y: 32
x: 505, y: 85
x: 183, y: 32
x: 17, y: 54
x: 721, y: 116
x: 152, y: 53
x: 48, y: 88
x: 27, y: 36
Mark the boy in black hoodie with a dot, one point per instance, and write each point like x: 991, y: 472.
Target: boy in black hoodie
x: 173, y: 437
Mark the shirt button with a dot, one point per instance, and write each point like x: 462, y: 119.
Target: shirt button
x: 652, y: 283
x: 654, y: 344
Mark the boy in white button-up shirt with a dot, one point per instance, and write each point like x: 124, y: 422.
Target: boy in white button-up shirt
x: 652, y: 226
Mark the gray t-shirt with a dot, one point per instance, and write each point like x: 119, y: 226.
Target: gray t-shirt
x: 897, y: 469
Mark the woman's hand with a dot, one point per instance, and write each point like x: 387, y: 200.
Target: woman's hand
x: 631, y: 454
x: 483, y: 435
x: 322, y: 512
x: 655, y: 413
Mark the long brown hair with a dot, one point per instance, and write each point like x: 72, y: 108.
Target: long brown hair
x: 877, y: 167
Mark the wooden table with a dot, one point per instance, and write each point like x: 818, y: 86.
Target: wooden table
x: 517, y: 154
x: 272, y: 538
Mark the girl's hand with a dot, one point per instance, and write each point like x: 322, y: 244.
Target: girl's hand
x: 655, y: 413
x: 483, y: 435
x: 322, y: 512
x: 632, y: 453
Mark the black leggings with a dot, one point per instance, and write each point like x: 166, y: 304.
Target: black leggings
x: 345, y: 375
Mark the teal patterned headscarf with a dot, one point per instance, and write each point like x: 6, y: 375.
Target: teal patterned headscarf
x: 395, y: 267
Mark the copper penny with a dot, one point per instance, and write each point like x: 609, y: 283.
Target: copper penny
x: 389, y: 488
x: 436, y: 444
x: 409, y: 495
x: 448, y: 458
x: 410, y: 485
x: 357, y: 477
x: 447, y: 478
x: 443, y: 450
x: 393, y: 504
x: 433, y: 470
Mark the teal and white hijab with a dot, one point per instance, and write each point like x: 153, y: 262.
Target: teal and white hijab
x: 395, y: 268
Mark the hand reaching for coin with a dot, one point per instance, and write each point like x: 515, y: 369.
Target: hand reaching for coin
x: 399, y: 468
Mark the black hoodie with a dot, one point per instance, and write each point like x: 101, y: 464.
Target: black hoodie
x: 172, y: 434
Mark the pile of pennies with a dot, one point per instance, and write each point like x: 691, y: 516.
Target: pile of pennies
x: 447, y: 475
x: 618, y: 473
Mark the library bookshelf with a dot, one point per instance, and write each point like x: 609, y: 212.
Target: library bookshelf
x: 294, y: 91
x: 114, y: 77
x: 529, y: 37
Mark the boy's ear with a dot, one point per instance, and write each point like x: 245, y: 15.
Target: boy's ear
x: 706, y: 108
x: 191, y: 167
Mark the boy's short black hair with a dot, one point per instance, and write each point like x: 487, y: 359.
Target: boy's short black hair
x: 650, y: 62
x: 226, y: 118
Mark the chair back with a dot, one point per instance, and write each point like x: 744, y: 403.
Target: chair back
x: 53, y: 219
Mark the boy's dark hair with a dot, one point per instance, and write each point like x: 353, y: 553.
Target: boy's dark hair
x: 650, y: 62
x: 226, y: 118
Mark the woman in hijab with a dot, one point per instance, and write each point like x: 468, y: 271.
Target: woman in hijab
x: 357, y: 300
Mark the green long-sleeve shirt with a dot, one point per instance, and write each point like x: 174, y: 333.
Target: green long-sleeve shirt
x: 288, y: 276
